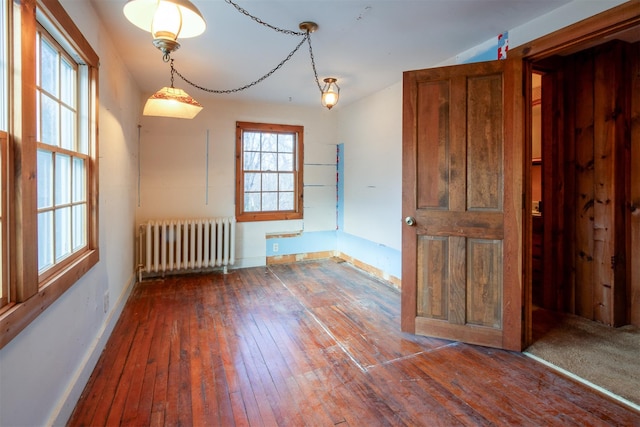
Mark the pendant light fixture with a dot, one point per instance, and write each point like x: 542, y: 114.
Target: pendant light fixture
x: 169, y: 19
x: 166, y: 20
x: 330, y: 92
x: 172, y: 102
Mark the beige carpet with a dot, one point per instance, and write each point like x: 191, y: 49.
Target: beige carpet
x: 607, y: 357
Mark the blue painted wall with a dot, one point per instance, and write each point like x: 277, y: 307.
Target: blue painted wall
x: 377, y: 255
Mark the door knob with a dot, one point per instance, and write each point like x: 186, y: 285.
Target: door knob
x: 410, y: 221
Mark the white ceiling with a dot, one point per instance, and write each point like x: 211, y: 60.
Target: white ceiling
x: 365, y: 44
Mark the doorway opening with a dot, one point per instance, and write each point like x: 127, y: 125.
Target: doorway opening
x: 581, y: 290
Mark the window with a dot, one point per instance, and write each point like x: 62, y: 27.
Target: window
x: 4, y: 154
x: 268, y: 171
x: 62, y: 155
x: 48, y: 224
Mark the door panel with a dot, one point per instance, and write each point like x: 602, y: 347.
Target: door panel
x: 462, y: 182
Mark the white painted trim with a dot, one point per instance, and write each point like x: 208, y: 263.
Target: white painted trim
x: 581, y: 380
x: 67, y: 403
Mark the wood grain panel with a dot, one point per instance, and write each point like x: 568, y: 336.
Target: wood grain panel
x: 469, y: 224
x: 433, y: 144
x: 607, y: 108
x: 584, y: 197
x: 485, y: 143
x: 484, y: 283
x: 433, y: 283
x: 634, y: 200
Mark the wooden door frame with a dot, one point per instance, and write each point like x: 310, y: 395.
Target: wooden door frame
x: 579, y: 36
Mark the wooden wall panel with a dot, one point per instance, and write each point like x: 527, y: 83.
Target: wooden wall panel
x: 633, y: 218
x: 589, y: 169
x: 583, y: 201
x: 433, y: 144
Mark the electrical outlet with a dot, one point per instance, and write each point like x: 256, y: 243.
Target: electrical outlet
x: 105, y: 303
x: 275, y: 247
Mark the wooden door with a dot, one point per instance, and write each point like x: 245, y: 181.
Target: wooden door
x: 463, y: 203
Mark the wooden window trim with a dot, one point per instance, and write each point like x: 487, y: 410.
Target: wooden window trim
x: 29, y: 296
x: 297, y: 213
x: 4, y: 252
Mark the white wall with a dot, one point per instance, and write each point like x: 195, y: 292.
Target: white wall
x: 174, y: 168
x: 44, y: 369
x: 371, y: 131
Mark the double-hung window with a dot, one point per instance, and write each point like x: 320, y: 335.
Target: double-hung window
x: 268, y: 171
x: 62, y: 156
x: 4, y: 154
x: 48, y: 159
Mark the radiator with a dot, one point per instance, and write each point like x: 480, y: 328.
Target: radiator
x: 172, y: 246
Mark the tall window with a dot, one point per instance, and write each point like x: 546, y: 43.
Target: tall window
x: 4, y: 154
x: 48, y: 225
x: 268, y: 171
x: 63, y: 155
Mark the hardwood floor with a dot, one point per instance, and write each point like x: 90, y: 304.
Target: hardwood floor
x: 317, y: 344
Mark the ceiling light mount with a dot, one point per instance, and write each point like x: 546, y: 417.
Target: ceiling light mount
x: 166, y: 20
x: 308, y: 26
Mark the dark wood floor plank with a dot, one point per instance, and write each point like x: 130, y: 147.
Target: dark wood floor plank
x: 315, y: 344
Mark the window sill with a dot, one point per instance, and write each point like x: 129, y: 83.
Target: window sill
x: 18, y: 316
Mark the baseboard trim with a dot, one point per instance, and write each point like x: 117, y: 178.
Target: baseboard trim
x: 374, y: 271
x: 68, y: 402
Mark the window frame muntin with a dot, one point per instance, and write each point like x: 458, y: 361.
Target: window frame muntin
x: 298, y: 212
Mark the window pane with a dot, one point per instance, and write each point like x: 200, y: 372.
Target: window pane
x: 252, y: 181
x: 48, y: 68
x: 67, y: 129
x: 270, y: 182
x: 79, y: 181
x: 49, y: 120
x: 251, y: 202
x: 285, y: 202
x: 45, y: 240
x: 286, y: 182
x: 63, y: 232
x: 79, y: 226
x: 269, y: 162
x: 270, y: 142
x: 45, y: 179
x: 251, y: 141
x: 285, y: 162
x: 252, y: 161
x: 67, y: 83
x: 269, y: 201
x: 285, y: 143
x: 63, y: 179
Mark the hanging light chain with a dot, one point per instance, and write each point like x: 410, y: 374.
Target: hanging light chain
x: 261, y: 22
x: 306, y: 36
x: 313, y: 63
x: 247, y: 86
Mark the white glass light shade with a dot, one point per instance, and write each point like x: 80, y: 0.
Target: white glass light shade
x: 166, y: 19
x: 330, y: 93
x: 172, y: 102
